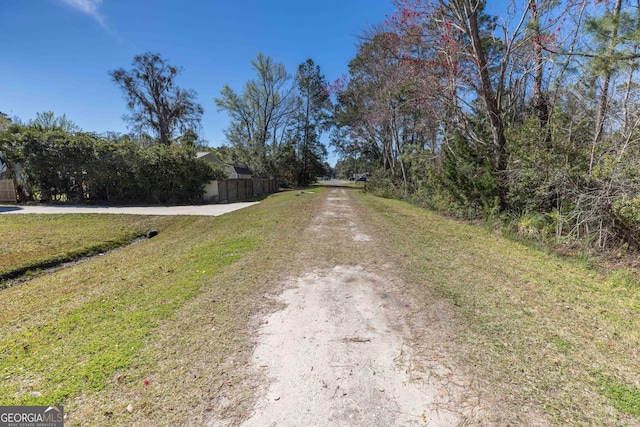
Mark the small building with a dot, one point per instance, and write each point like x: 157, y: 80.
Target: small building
x: 239, y: 172
x: 210, y: 157
x: 239, y: 184
x: 233, y: 171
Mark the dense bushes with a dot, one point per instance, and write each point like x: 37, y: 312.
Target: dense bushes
x: 558, y: 185
x: 626, y: 214
x: 467, y: 176
x: 55, y: 164
x: 460, y: 183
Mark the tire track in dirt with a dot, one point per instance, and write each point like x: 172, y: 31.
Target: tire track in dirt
x: 338, y: 353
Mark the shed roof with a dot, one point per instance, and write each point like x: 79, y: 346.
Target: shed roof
x: 242, y: 170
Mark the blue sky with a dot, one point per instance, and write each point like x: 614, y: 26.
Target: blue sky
x: 56, y: 54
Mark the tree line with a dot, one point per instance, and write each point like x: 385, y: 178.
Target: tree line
x: 277, y: 121
x: 52, y: 159
x: 275, y: 129
x: 56, y: 161
x: 531, y: 115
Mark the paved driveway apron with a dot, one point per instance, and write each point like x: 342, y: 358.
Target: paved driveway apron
x: 202, y: 210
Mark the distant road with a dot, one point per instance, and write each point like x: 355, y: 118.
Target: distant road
x: 333, y: 182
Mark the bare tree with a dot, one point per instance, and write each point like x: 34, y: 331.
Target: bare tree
x: 260, y: 114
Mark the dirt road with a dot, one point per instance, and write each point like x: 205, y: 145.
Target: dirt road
x: 341, y: 351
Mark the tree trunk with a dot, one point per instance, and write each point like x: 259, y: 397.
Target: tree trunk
x: 606, y: 80
x: 540, y: 102
x: 493, y: 109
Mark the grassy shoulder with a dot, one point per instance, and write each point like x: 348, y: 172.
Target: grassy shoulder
x: 38, y: 241
x: 131, y: 327
x: 540, y: 330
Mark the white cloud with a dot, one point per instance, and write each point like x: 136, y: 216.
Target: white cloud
x: 88, y: 7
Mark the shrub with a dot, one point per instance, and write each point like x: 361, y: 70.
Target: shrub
x: 467, y: 177
x: 65, y: 166
x: 626, y: 215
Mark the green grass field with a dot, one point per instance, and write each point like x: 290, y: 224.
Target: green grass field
x: 31, y: 242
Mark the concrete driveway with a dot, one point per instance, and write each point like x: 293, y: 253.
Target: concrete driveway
x: 202, y: 210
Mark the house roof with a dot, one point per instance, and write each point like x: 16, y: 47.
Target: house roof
x: 242, y: 170
x: 211, y: 157
x: 201, y: 154
x: 208, y: 156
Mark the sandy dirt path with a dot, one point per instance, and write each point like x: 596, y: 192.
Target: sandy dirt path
x: 340, y: 351
x: 337, y: 356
